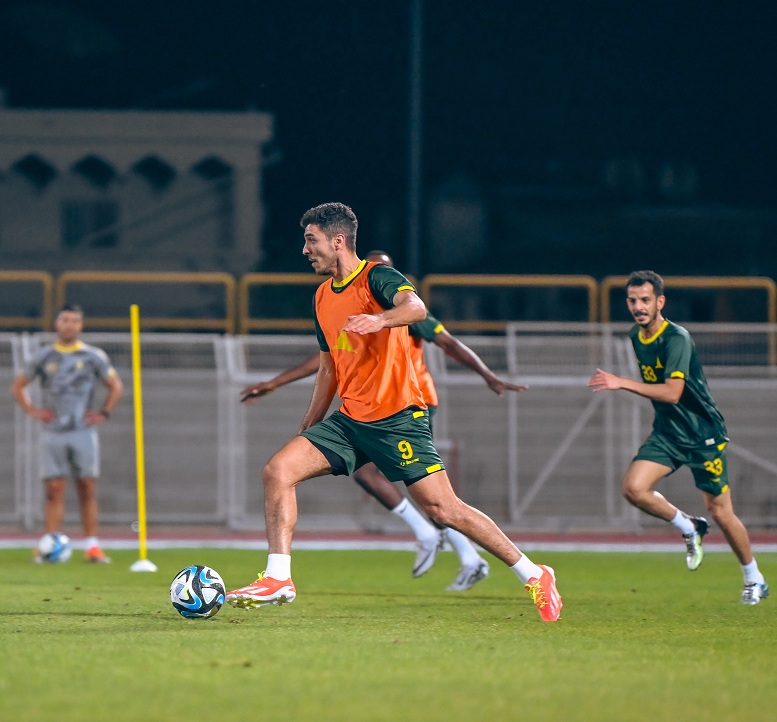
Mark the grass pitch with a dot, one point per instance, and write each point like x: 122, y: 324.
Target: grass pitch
x: 640, y: 638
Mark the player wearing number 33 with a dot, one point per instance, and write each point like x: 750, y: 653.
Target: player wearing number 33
x: 688, y: 430
x: 361, y: 316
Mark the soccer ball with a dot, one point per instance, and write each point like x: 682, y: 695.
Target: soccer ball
x: 197, y: 592
x: 54, y: 548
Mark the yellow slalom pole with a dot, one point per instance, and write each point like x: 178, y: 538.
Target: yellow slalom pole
x: 143, y: 564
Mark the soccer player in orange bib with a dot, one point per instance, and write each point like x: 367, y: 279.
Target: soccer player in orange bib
x: 361, y: 318
x: 473, y: 568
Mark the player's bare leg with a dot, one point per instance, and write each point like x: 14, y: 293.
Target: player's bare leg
x: 637, y: 486
x: 435, y: 495
x: 638, y: 490
x: 296, y: 461
x: 722, y: 511
x: 370, y: 478
x: 721, y: 508
x: 87, y: 503
x: 429, y: 539
x: 54, y: 507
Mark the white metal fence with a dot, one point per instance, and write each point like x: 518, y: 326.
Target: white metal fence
x: 547, y: 459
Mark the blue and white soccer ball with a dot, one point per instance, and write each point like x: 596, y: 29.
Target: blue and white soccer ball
x: 197, y: 592
x: 54, y: 548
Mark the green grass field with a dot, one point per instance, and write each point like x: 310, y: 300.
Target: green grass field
x: 640, y: 638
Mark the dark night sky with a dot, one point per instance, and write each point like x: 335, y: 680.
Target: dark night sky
x: 508, y: 86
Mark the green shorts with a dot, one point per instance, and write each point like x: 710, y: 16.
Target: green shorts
x: 708, y: 464
x: 400, y: 446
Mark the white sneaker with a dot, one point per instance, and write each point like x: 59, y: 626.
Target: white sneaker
x: 694, y: 551
x: 469, y: 576
x: 426, y: 555
x: 753, y: 593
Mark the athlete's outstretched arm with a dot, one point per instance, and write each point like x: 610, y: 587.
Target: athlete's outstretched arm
x: 307, y: 368
x: 408, y: 309
x: 467, y: 357
x: 323, y: 392
x: 669, y: 392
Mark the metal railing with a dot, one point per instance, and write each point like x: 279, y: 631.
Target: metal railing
x: 550, y: 459
x: 460, y: 282
x: 731, y: 283
x: 274, y: 282
x: 199, y: 320
x: 727, y: 283
x: 45, y: 281
x: 281, y: 302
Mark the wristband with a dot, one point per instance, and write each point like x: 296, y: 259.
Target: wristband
x: 104, y: 413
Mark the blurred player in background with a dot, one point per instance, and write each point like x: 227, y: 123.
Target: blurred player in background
x: 473, y: 567
x: 69, y: 371
x: 361, y: 318
x: 688, y: 430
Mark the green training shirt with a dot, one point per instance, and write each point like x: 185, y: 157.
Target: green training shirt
x: 426, y: 329
x: 695, y: 420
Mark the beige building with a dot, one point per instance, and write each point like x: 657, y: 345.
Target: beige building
x: 172, y: 191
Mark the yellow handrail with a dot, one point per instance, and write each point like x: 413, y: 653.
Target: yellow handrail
x: 246, y: 323
x: 711, y: 282
x: 227, y: 323
x: 433, y: 281
x: 47, y: 306
x: 743, y: 283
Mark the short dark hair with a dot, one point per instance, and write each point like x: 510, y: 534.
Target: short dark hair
x: 640, y: 278
x: 334, y: 218
x: 71, y: 308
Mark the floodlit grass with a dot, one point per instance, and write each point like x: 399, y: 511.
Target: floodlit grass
x: 640, y: 638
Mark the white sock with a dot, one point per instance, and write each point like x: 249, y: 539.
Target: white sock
x: 279, y: 566
x: 463, y: 547
x: 683, y: 523
x: 526, y: 569
x: 92, y: 541
x: 752, y: 573
x: 422, y: 528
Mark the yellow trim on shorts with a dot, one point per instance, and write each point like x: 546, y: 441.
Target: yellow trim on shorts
x: 434, y: 467
x: 418, y: 414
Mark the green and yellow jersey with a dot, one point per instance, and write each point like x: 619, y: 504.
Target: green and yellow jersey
x: 375, y: 374
x: 425, y: 330
x: 670, y: 353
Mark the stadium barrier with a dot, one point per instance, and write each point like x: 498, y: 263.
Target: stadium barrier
x: 450, y: 294
x: 292, y: 312
x: 281, y: 302
x: 198, y: 301
x: 548, y: 459
x: 718, y: 285
x: 33, y: 307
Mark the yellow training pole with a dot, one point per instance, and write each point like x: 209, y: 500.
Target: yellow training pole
x: 143, y: 564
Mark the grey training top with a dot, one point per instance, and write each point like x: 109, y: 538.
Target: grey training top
x: 68, y: 376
